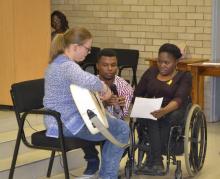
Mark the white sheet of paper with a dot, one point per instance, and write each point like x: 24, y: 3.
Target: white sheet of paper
x: 144, y: 106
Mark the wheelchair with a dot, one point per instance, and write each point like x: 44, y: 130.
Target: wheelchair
x: 188, y: 139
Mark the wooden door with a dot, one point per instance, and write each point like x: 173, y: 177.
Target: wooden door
x: 25, y: 40
x: 6, y: 50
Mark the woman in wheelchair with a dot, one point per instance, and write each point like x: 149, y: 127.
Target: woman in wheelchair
x: 174, y: 86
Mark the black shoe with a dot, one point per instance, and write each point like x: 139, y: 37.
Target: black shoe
x: 148, y: 162
x: 145, y: 168
x: 92, y: 168
x: 156, y: 169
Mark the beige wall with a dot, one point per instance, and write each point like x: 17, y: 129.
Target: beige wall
x: 143, y: 24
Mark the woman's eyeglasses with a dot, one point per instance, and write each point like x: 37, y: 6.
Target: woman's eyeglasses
x: 88, y: 49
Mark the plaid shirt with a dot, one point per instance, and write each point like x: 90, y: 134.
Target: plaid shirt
x: 124, y: 89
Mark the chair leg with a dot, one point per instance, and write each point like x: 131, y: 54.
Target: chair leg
x: 119, y: 71
x: 134, y: 80
x: 51, y: 163
x: 65, y: 165
x: 15, y: 155
x: 95, y: 70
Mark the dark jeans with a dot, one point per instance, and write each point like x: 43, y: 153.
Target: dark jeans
x: 159, y: 130
x: 91, y: 153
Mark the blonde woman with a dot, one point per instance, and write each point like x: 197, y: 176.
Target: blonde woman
x: 66, y: 51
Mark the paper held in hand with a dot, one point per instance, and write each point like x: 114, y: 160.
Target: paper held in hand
x: 144, y: 106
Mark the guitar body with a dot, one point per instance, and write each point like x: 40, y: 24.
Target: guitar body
x: 84, y: 100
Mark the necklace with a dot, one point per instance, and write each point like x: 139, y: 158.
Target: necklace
x: 167, y: 79
x: 169, y: 82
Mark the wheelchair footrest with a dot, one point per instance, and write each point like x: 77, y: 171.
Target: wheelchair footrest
x: 138, y: 172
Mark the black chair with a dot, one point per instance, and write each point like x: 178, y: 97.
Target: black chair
x: 128, y: 58
x: 91, y: 59
x: 27, y: 99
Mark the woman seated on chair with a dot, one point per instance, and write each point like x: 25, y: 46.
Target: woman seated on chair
x: 174, y: 86
x: 66, y: 51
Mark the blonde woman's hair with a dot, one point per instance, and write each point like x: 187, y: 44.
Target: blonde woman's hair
x: 78, y: 35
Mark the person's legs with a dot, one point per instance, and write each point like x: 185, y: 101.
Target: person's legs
x: 155, y: 165
x: 143, y: 142
x: 159, y: 134
x: 111, y: 154
x: 154, y: 135
x: 172, y: 119
x: 91, y: 156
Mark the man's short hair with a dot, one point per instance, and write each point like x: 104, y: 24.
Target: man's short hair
x: 107, y: 52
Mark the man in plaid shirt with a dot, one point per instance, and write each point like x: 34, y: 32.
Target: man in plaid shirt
x: 117, y: 105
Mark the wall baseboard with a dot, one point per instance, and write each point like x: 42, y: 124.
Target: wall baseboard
x: 6, y: 107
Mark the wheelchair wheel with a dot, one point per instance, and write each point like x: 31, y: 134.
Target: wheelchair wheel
x: 195, y: 142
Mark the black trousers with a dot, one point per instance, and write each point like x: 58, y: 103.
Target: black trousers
x: 159, y: 130
x: 91, y: 153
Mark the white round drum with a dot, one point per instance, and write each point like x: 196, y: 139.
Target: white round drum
x: 84, y: 100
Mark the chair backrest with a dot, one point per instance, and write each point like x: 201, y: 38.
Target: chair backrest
x: 127, y: 57
x: 89, y: 64
x: 92, y: 57
x: 27, y: 95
